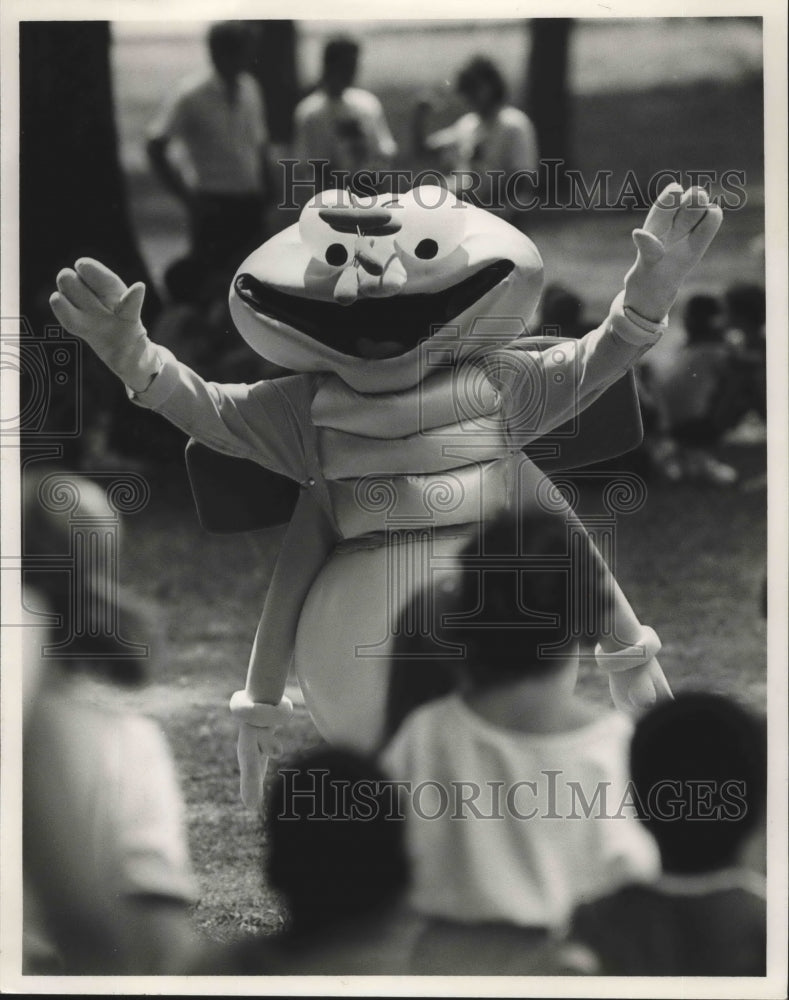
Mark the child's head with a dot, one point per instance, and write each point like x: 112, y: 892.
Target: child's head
x: 336, y: 847
x: 513, y: 604
x: 100, y: 627
x: 704, y: 320
x: 699, y: 768
x: 746, y: 308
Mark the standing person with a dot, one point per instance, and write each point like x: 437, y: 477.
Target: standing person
x: 218, y: 118
x: 490, y: 149
x: 341, y: 124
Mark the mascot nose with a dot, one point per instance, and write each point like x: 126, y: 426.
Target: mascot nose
x: 375, y: 272
x: 373, y: 259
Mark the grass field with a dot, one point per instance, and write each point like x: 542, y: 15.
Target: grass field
x: 691, y: 560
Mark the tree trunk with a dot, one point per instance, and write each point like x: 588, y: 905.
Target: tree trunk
x: 547, y: 91
x: 274, y: 66
x: 72, y: 190
x: 73, y: 203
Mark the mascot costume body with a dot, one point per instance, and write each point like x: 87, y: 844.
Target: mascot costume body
x: 418, y: 391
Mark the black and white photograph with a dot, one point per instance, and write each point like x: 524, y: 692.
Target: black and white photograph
x: 394, y: 499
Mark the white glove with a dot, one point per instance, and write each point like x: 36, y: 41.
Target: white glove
x: 676, y: 233
x: 257, y: 741
x: 636, y: 679
x: 92, y: 303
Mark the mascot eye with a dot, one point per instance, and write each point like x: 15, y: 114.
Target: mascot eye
x: 426, y: 249
x: 325, y: 243
x: 336, y: 254
x: 433, y: 223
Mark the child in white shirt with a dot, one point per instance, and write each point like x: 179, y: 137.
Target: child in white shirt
x: 516, y: 789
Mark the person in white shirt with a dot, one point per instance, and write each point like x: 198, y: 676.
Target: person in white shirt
x: 219, y: 121
x: 491, y: 151
x: 341, y: 125
x: 516, y: 797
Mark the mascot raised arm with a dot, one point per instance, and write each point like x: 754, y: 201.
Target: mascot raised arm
x: 417, y: 391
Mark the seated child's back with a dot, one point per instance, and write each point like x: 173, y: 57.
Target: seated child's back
x: 517, y: 789
x: 698, y: 769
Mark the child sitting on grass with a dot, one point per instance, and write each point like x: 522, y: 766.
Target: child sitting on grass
x: 698, y: 768
x: 335, y: 855
x: 515, y: 784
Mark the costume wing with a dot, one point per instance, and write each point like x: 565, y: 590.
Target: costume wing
x: 608, y: 427
x: 234, y: 495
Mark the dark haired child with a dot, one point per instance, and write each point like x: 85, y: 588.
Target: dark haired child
x: 336, y: 855
x: 515, y: 782
x: 698, y: 769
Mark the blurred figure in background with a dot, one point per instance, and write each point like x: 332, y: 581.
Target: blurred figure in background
x: 218, y: 119
x: 487, y: 151
x: 341, y: 124
x: 562, y: 314
x: 190, y: 325
x: 702, y: 389
x: 108, y: 882
x: 746, y: 332
x: 195, y: 324
x: 699, y: 769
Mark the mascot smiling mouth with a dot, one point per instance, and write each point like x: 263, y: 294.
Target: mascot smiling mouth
x: 366, y: 327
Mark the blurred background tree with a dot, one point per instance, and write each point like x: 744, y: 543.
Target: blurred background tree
x: 547, y: 92
x: 274, y: 66
x: 72, y: 190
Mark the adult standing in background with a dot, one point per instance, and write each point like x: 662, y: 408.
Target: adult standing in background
x: 488, y: 151
x: 218, y: 119
x: 341, y: 124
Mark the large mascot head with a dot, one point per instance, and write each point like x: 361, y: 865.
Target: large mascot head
x: 365, y: 287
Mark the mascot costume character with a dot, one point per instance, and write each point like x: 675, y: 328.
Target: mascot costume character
x: 416, y: 391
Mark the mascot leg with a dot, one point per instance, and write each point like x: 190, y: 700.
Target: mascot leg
x: 626, y: 649
x: 261, y: 708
